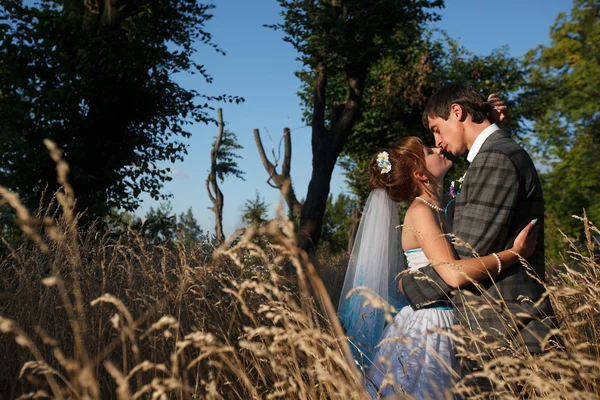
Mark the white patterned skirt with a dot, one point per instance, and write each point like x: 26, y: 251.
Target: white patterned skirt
x: 415, y: 356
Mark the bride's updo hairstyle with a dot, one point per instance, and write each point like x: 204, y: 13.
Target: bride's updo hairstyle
x: 405, y: 156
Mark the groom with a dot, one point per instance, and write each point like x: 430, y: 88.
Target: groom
x: 500, y: 194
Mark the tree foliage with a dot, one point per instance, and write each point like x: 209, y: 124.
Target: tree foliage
x: 227, y: 157
x: 564, y: 80
x: 255, y: 211
x: 336, y: 223
x: 223, y: 163
x: 339, y: 41
x: 160, y: 226
x: 562, y: 99
x: 102, y: 89
x: 398, y: 89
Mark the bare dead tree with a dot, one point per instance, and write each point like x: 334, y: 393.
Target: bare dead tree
x: 283, y: 180
x: 212, y: 186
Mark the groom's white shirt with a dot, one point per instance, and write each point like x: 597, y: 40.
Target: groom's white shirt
x: 480, y: 141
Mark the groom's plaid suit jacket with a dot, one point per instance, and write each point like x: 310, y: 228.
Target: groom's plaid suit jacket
x: 501, y: 193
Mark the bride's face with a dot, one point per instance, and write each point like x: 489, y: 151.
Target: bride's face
x: 436, y: 163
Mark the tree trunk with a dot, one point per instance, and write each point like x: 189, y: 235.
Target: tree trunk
x: 327, y: 145
x: 212, y: 186
x: 313, y: 210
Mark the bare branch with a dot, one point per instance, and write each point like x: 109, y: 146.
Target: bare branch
x: 215, y: 150
x: 286, y: 165
x: 212, y: 186
x: 282, y: 181
x: 273, y: 175
x: 210, y: 195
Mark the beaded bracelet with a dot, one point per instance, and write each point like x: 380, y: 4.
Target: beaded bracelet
x: 499, y: 262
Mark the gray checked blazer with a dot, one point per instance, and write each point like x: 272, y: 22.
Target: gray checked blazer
x: 501, y: 193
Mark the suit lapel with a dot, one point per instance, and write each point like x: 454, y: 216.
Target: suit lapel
x: 461, y: 198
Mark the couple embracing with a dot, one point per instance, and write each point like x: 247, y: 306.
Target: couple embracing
x: 464, y: 268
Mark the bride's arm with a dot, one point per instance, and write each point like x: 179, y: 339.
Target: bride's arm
x: 457, y: 273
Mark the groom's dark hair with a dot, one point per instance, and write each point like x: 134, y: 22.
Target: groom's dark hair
x: 473, y: 102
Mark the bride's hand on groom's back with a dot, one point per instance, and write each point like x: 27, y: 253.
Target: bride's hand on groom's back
x: 525, y: 242
x: 400, y: 287
x: 499, y: 110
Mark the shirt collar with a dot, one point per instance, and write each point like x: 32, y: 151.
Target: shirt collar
x: 480, y: 140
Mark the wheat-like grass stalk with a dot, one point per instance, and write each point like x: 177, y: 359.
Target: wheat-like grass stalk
x: 118, y: 317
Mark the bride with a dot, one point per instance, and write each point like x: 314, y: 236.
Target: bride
x: 414, y: 354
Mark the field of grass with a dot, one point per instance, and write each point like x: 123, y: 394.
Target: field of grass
x: 91, y: 316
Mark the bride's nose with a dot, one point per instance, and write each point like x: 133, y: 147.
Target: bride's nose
x: 437, y: 150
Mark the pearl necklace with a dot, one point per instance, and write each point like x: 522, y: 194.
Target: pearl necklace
x: 430, y: 204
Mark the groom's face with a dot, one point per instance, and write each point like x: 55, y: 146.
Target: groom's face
x: 449, y: 134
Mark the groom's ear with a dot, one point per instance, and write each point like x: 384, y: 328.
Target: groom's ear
x: 457, y: 111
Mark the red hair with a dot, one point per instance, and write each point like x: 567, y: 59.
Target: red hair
x: 406, y: 157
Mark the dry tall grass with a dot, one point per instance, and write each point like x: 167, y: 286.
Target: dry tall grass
x: 89, y: 318
x: 569, y: 369
x: 93, y: 317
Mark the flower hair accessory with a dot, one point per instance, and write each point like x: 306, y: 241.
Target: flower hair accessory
x: 383, y: 162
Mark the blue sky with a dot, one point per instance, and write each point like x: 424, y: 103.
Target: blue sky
x: 260, y: 67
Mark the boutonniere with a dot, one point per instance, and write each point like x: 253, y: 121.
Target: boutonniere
x: 456, y: 186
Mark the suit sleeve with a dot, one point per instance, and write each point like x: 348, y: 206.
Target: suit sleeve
x: 491, y: 193
x: 424, y: 286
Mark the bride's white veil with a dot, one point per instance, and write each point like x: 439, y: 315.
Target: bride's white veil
x: 375, y: 261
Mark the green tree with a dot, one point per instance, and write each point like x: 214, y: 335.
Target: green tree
x: 227, y: 157
x: 188, y: 230
x: 564, y: 78
x: 118, y: 222
x: 223, y: 163
x: 158, y: 225
x: 336, y: 223
x: 98, y: 82
x: 339, y: 42
x: 398, y: 89
x: 254, y: 211
x: 562, y: 97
